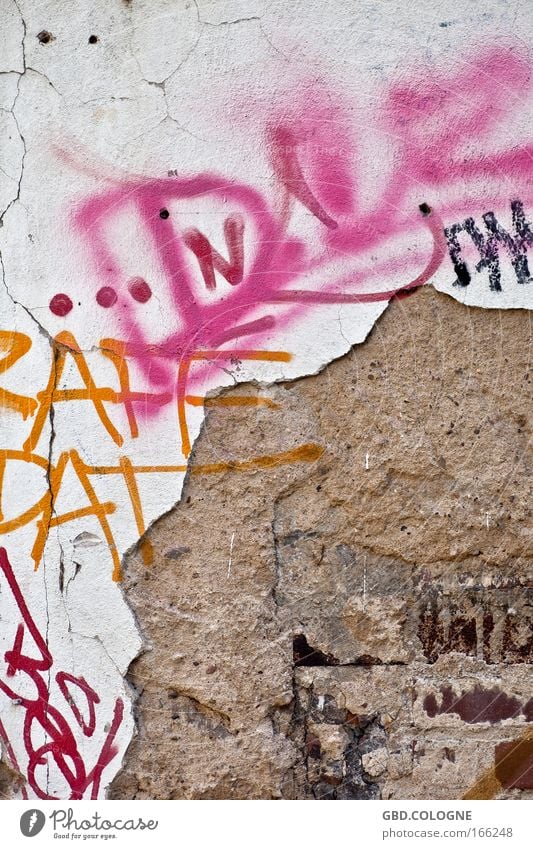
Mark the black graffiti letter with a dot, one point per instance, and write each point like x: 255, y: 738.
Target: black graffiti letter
x: 515, y: 244
x: 454, y: 249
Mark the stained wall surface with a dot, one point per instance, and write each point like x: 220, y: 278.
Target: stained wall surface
x: 358, y: 626
x: 264, y: 399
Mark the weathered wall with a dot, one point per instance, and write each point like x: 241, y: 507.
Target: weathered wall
x: 402, y: 557
x: 326, y: 207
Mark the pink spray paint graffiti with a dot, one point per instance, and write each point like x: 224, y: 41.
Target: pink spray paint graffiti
x: 263, y: 285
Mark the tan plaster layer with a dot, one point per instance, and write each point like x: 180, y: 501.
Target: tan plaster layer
x: 404, y: 552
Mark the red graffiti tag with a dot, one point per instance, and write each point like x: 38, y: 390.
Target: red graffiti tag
x: 45, y: 720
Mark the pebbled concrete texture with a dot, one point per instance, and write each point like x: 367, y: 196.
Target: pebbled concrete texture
x: 358, y: 626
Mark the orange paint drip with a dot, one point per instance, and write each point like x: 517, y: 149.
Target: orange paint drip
x: 231, y: 401
x: 66, y: 344
x: 117, y: 358
x: 22, y: 404
x: 305, y: 453
x: 183, y: 374
x: 147, y: 552
x: 129, y: 476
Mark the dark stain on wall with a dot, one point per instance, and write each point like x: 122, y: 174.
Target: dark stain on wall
x: 477, y: 705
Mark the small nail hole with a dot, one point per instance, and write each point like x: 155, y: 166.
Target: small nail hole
x: 45, y: 37
x: 93, y: 39
x: 164, y: 213
x: 424, y: 208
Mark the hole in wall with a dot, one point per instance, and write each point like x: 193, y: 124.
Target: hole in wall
x: 306, y: 655
x: 45, y: 37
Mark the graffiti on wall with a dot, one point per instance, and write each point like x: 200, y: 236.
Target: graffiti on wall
x: 201, y: 280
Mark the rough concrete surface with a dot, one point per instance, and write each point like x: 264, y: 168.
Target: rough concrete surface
x: 358, y: 626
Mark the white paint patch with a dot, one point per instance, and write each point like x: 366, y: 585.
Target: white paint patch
x: 231, y: 553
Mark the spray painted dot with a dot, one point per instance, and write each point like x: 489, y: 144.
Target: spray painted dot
x: 60, y: 304
x: 106, y: 296
x: 139, y: 290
